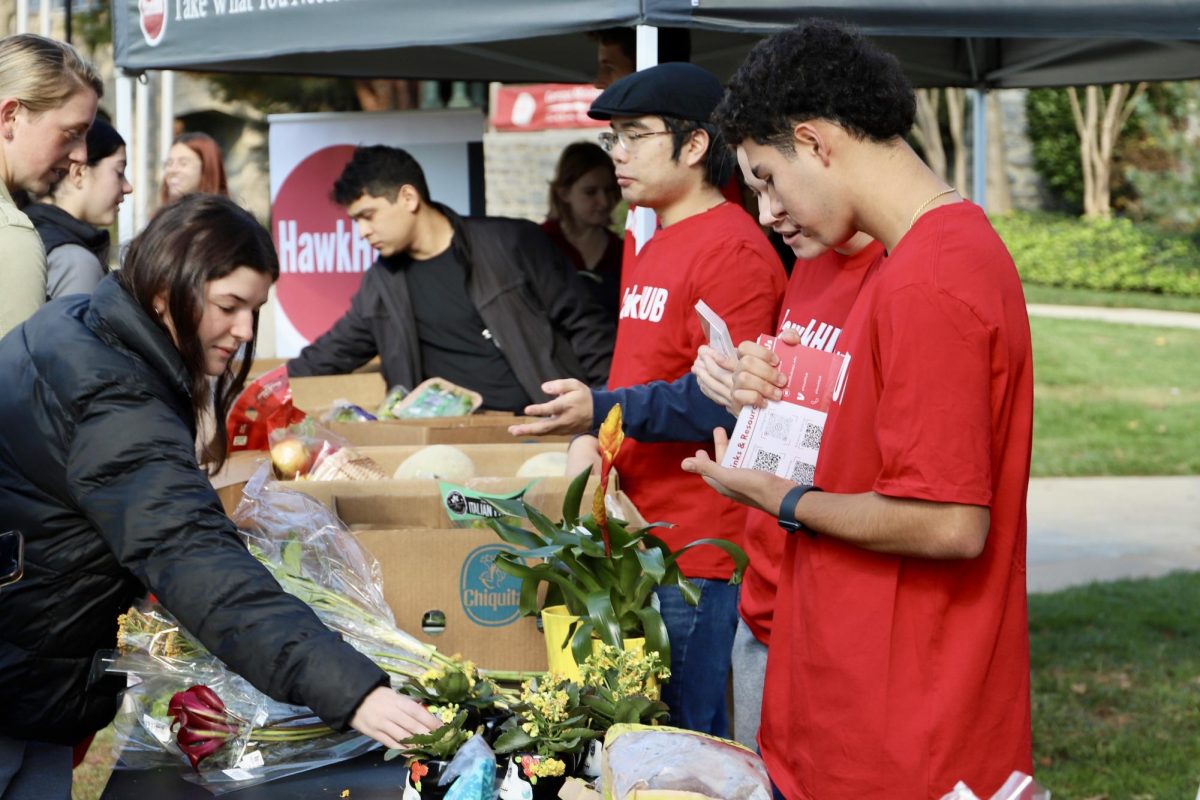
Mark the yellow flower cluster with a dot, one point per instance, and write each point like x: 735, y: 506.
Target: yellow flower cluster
x: 548, y: 768
x: 634, y: 671
x: 445, y: 713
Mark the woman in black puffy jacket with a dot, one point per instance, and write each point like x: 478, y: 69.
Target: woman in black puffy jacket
x: 98, y: 470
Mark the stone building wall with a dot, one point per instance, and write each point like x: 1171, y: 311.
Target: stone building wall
x: 518, y: 168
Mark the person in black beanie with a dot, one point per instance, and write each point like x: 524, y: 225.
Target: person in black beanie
x: 72, y: 218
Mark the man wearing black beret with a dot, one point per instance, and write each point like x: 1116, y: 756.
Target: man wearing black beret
x: 670, y: 160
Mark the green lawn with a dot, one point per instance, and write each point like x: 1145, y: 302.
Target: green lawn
x: 1116, y: 689
x: 1115, y: 399
x: 1052, y: 295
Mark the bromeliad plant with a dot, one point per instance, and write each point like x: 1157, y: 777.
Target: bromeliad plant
x: 603, y: 570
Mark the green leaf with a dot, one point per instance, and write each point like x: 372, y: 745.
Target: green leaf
x: 512, y: 740
x: 516, y: 536
x: 538, y: 573
x: 740, y: 559
x: 655, y: 632
x: 604, y: 619
x: 574, y: 496
x: 652, y: 563
x: 292, y: 554
x: 581, y: 642
x: 510, y: 506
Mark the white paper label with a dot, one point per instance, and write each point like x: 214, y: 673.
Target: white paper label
x: 158, y: 729
x: 238, y: 774
x: 251, y: 760
x: 260, y: 718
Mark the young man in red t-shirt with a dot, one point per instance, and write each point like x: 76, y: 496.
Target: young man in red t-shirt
x: 899, y: 660
x: 669, y: 158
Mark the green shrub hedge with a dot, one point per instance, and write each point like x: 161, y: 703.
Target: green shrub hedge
x: 1114, y: 255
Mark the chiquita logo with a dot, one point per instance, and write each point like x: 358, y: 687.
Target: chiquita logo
x: 153, y: 16
x: 490, y: 596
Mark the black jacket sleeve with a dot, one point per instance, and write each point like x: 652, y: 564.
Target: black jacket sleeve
x: 132, y: 472
x: 343, y: 348
x: 573, y: 312
x: 663, y: 412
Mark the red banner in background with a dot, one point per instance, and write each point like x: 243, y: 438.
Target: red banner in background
x: 542, y: 106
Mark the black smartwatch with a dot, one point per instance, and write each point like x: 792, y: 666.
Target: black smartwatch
x: 787, y: 509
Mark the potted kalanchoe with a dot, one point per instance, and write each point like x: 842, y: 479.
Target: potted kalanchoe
x: 551, y: 733
x: 623, y: 686
x: 428, y: 755
x: 457, y: 685
x: 602, y: 569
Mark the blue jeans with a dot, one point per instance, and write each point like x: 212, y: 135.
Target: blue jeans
x: 34, y: 770
x: 701, y: 643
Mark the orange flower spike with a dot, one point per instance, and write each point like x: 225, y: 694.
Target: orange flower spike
x: 611, y: 436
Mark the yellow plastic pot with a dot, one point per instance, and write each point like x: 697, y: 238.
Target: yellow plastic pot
x: 556, y: 625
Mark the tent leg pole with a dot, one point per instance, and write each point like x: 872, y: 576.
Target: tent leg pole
x: 979, y: 147
x: 647, y: 46
x: 22, y: 16
x: 141, y: 153
x: 166, y: 122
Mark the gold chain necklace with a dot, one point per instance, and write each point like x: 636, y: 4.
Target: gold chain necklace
x: 925, y: 205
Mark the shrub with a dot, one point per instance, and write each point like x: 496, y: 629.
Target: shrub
x: 1113, y: 255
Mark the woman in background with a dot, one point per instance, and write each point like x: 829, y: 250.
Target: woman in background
x: 194, y: 164
x: 48, y: 97
x: 73, y: 219
x: 583, y: 195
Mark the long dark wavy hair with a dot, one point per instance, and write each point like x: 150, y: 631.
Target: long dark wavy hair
x: 194, y: 240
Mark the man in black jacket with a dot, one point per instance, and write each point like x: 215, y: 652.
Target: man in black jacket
x: 487, y: 303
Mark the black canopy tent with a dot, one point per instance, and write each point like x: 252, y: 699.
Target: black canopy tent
x: 973, y: 43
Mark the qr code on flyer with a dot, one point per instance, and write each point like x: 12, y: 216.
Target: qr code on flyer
x: 766, y: 461
x: 777, y: 427
x: 812, y: 436
x: 803, y: 472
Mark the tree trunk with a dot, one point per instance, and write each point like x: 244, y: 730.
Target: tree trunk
x: 956, y: 110
x: 1099, y: 122
x: 999, y: 192
x: 928, y: 131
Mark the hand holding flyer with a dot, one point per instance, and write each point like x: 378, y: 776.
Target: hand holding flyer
x: 716, y: 330
x: 784, y: 437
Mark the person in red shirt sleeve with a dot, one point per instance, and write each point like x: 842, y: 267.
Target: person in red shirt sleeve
x: 899, y: 657
x: 669, y: 158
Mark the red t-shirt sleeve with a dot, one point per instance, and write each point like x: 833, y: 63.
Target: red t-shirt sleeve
x: 743, y: 286
x: 934, y: 414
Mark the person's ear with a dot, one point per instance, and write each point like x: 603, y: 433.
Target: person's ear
x: 76, y: 174
x: 809, y: 139
x: 8, y: 116
x: 410, y: 198
x: 695, y: 147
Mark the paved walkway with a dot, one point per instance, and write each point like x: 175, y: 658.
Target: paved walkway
x: 1101, y: 529
x: 1127, y: 316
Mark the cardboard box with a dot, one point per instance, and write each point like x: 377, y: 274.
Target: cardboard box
x: 485, y: 428
x: 418, y: 504
x: 315, y: 395
x: 435, y: 575
x: 490, y: 460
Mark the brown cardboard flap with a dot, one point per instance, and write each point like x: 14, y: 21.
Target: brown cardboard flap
x: 418, y: 504
x: 452, y: 572
x: 484, y: 428
x: 315, y: 395
x: 490, y: 460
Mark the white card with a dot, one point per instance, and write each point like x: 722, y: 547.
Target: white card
x: 715, y: 329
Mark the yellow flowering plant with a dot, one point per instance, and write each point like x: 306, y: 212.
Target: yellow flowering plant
x: 603, y: 570
x: 454, y: 683
x: 622, y: 686
x: 551, y: 722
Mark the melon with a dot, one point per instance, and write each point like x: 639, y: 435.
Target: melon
x: 544, y: 465
x: 437, y: 461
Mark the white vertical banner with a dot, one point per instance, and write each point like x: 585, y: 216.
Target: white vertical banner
x: 141, y: 154
x: 321, y: 255
x: 124, y: 125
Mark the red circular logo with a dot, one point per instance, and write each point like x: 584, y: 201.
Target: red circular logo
x: 321, y: 256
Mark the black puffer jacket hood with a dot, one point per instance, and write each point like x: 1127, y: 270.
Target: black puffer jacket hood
x: 98, y: 470
x: 57, y: 227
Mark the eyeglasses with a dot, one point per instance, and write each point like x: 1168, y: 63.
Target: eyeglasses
x: 610, y: 139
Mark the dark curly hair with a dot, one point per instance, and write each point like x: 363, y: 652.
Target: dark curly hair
x: 379, y: 171
x: 818, y: 70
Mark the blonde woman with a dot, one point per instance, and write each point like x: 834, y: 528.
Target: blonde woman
x: 48, y: 97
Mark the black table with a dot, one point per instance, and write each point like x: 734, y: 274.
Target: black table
x: 368, y: 777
